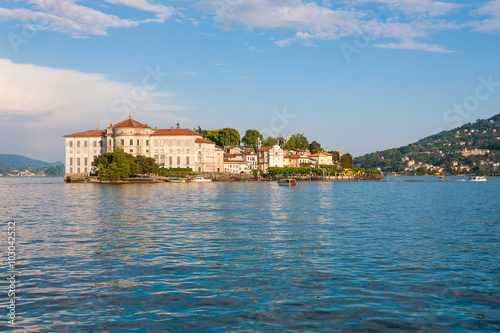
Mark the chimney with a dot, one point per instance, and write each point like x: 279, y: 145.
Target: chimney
x: 172, y: 128
x: 178, y: 125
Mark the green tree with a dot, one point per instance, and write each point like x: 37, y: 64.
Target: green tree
x: 122, y: 165
x: 300, y: 141
x: 315, y: 147
x: 346, y: 161
x: 421, y: 171
x: 290, y: 144
x: 250, y: 138
x: 146, y: 164
x: 269, y: 142
x: 229, y: 137
x: 335, y: 155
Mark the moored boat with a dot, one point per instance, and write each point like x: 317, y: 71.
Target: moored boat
x: 200, y: 180
x: 477, y: 179
x: 176, y: 180
x: 287, y: 182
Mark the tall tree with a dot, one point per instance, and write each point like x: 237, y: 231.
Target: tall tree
x: 290, y: 144
x: 300, y: 141
x: 250, y: 138
x: 269, y: 142
x: 335, y: 155
x: 229, y: 136
x: 315, y: 147
x: 346, y: 161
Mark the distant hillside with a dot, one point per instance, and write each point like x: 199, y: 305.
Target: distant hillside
x: 19, y: 160
x: 463, y: 148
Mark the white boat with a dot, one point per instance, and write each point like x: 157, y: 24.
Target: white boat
x: 287, y: 182
x: 200, y: 180
x: 176, y: 180
x: 477, y: 179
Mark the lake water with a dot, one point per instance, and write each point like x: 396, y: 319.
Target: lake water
x: 404, y: 254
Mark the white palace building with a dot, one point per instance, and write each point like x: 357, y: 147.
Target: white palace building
x: 174, y: 147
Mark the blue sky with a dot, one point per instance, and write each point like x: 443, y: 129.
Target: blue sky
x: 357, y: 76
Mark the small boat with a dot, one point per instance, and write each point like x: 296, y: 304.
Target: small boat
x: 200, y: 180
x: 287, y: 182
x: 477, y: 179
x: 176, y: 180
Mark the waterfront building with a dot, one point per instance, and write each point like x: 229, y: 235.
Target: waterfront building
x: 322, y: 158
x: 174, y: 147
x: 270, y: 157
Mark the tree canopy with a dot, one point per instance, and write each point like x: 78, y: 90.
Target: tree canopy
x: 250, y: 138
x: 119, y: 165
x: 315, y: 147
x: 300, y: 141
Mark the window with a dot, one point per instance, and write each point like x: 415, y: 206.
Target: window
x: 138, y: 142
x: 156, y: 150
x: 170, y: 160
x: 187, y: 142
x: 85, y: 170
x: 162, y: 159
x: 187, y: 160
x: 178, y: 150
x: 187, y: 150
x: 147, y: 142
x: 178, y: 160
x: 170, y: 142
x: 78, y: 170
x: 199, y: 159
x: 162, y: 142
x: 170, y: 151
x: 78, y: 144
x: 86, y: 162
x: 85, y: 144
x: 163, y: 150
x: 123, y: 142
x: 110, y: 143
x: 131, y: 142
x: 70, y: 170
x: 95, y: 156
x: 155, y: 143
x: 95, y: 143
x: 71, y: 162
x: 78, y: 162
x: 156, y: 157
x: 131, y: 150
x: 71, y: 144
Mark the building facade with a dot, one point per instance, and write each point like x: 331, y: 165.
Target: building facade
x: 174, y: 147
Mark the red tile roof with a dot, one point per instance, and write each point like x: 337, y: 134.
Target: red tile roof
x: 176, y: 131
x: 228, y: 155
x: 200, y: 140
x: 264, y: 149
x: 129, y: 123
x: 96, y: 132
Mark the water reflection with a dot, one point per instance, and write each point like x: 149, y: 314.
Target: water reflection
x: 237, y: 256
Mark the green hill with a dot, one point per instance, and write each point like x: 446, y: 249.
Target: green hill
x: 451, y: 150
x: 19, y: 160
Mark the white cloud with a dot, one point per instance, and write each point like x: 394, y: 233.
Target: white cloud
x: 311, y: 20
x: 54, y: 101
x: 491, y: 8
x: 417, y: 7
x: 161, y: 11
x: 68, y: 17
x: 412, y: 45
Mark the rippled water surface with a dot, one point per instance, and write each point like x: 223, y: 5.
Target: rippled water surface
x: 405, y: 254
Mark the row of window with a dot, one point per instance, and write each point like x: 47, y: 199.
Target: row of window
x: 78, y: 170
x: 172, y: 142
x: 161, y: 159
x: 78, y: 161
x: 85, y: 143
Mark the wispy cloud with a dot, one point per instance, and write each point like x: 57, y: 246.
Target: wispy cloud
x: 68, y: 17
x: 412, y: 45
x: 46, y: 97
x: 492, y: 9
x: 163, y: 12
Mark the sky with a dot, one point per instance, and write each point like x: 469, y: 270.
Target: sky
x: 357, y: 76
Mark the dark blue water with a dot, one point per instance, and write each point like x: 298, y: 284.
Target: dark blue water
x: 405, y: 254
